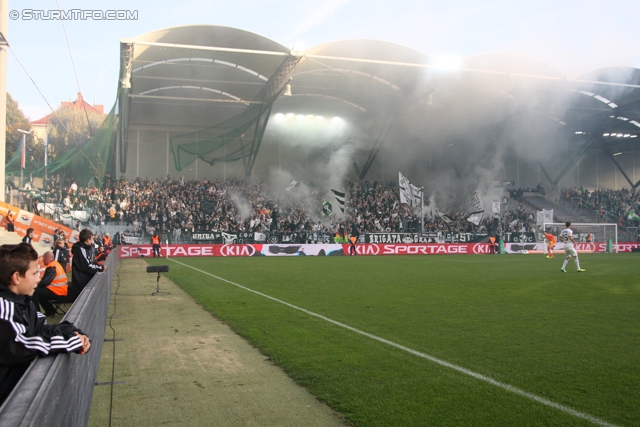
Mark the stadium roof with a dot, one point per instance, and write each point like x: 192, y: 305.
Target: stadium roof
x: 214, y: 83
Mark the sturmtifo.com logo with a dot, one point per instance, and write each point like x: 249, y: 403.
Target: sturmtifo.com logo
x: 74, y: 15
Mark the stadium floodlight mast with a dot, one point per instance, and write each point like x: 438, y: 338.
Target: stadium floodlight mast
x: 24, y: 154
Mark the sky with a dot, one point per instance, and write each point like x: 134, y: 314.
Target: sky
x: 572, y: 36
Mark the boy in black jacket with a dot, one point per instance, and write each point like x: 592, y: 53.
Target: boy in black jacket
x: 84, y: 265
x: 24, y: 333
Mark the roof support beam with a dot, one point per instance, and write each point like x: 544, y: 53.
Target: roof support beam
x: 579, y: 154
x: 544, y: 171
x: 184, y: 98
x: 407, y: 97
x: 208, y: 48
x: 615, y: 162
x: 268, y: 96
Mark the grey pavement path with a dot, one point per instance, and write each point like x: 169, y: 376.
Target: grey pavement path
x: 183, y: 367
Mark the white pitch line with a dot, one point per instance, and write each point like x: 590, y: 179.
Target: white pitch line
x: 512, y: 389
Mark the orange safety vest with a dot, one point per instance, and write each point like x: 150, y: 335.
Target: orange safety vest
x: 59, y: 284
x: 106, y: 241
x: 155, y: 240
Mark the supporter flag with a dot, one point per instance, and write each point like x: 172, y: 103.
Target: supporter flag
x: 409, y: 193
x: 208, y: 206
x: 340, y: 197
x: 291, y: 186
x: 327, y: 209
x: 632, y: 215
x: 477, y: 208
x: 545, y: 216
x: 495, y: 207
x: 443, y: 216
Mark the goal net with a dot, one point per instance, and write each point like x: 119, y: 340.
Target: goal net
x: 589, y: 237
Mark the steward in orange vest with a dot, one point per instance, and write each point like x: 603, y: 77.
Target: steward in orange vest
x: 52, y: 286
x: 493, y: 245
x: 155, y: 243
x: 107, y: 243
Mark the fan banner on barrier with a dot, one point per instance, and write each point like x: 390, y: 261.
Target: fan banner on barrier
x: 229, y: 238
x: 132, y: 237
x: 426, y: 237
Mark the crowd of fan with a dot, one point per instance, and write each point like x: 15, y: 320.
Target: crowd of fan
x: 178, y: 208
x: 615, y: 203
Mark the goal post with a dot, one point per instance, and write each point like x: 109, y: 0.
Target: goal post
x: 589, y: 237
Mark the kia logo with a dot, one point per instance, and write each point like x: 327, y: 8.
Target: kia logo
x: 237, y: 250
x: 480, y: 248
x: 367, y: 250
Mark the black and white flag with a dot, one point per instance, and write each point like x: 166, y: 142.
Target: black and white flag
x: 340, y: 197
x: 409, y: 193
x: 476, y: 207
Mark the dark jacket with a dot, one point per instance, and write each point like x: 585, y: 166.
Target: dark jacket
x: 84, y: 267
x: 61, y: 255
x: 25, y: 335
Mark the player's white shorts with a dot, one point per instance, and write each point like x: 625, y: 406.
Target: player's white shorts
x: 570, y: 250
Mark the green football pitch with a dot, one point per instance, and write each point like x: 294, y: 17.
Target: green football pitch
x: 440, y: 340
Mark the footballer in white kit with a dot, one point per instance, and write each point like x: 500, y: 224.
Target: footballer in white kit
x: 566, y: 237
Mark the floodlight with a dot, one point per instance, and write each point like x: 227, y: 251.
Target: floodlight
x: 336, y: 119
x: 290, y: 115
x: 605, y: 134
x: 448, y: 62
x: 618, y: 153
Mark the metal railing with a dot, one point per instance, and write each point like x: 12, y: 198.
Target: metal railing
x: 57, y: 390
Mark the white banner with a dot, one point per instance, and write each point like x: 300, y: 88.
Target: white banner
x: 475, y: 218
x: 495, y: 207
x: 409, y: 193
x: 475, y: 202
x: 477, y: 209
x: 545, y: 216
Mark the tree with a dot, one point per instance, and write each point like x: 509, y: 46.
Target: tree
x: 70, y: 128
x: 16, y: 120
